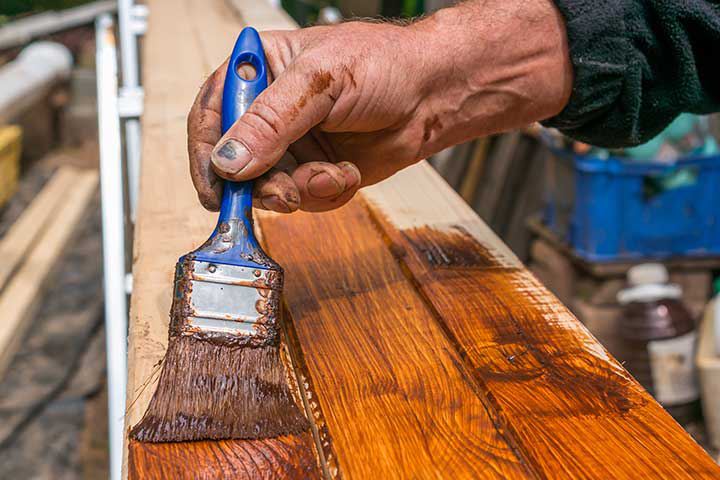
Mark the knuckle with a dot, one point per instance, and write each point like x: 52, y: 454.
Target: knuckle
x: 265, y: 119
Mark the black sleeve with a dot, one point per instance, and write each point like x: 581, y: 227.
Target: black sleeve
x: 637, y: 65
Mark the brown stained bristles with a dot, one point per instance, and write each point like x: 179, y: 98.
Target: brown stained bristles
x: 211, y: 392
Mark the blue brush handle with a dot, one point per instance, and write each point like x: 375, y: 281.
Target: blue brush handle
x: 238, y: 246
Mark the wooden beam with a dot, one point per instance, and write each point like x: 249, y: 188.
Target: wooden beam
x: 24, y: 291
x: 35, y: 219
x: 571, y: 408
x: 416, y: 338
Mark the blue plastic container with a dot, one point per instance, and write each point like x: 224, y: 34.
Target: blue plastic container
x: 618, y: 209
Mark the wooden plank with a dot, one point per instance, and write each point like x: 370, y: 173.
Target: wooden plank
x: 171, y: 205
x: 498, y: 165
x: 572, y: 408
x: 204, y: 32
x: 395, y: 397
x: 35, y: 219
x: 404, y: 373
x: 469, y: 186
x: 23, y: 294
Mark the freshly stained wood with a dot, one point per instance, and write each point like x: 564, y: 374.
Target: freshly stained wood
x: 394, y: 393
x: 35, y: 219
x: 417, y: 342
x: 24, y: 291
x: 572, y: 409
x: 284, y: 457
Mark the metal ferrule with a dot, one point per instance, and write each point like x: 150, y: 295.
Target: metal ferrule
x: 229, y: 299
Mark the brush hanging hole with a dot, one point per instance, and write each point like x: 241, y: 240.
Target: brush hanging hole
x: 246, y: 71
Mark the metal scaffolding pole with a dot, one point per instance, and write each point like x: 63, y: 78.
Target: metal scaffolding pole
x: 113, y: 226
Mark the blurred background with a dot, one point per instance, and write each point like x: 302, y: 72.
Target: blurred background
x: 628, y: 239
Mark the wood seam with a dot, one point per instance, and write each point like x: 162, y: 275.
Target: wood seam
x: 299, y: 371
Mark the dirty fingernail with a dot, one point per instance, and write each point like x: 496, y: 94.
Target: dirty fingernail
x: 322, y: 185
x: 352, y: 175
x: 275, y: 203
x: 231, y: 157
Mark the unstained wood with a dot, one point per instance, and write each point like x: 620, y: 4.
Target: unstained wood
x: 23, y: 293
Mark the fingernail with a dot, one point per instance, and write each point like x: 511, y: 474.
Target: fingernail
x: 231, y: 157
x: 322, y: 185
x: 352, y: 175
x: 275, y: 203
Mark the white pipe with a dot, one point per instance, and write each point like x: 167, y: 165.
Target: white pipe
x: 133, y: 151
x: 129, y: 21
x: 30, y: 76
x: 113, y: 237
x: 24, y: 30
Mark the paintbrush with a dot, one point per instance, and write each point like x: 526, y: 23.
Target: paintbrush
x: 222, y: 376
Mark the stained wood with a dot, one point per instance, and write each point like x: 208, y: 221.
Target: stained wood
x: 23, y: 293
x: 571, y: 407
x: 419, y: 345
x: 394, y: 394
x: 35, y: 219
x: 283, y: 457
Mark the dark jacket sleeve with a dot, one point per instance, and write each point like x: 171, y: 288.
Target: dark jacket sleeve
x: 637, y: 65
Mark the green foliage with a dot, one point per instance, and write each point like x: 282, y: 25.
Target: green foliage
x: 16, y: 7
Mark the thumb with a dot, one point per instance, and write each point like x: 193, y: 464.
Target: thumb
x: 300, y: 98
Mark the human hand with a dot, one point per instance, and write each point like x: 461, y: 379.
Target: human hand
x: 349, y: 105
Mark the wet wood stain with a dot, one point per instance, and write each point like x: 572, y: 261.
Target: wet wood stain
x: 282, y: 457
x: 574, y: 411
x: 396, y: 398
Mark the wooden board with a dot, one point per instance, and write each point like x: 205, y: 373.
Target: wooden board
x: 420, y: 345
x: 184, y: 43
x: 24, y: 291
x: 572, y: 409
x: 35, y: 219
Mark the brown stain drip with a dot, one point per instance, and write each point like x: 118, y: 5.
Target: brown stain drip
x: 282, y: 457
x: 430, y: 124
x: 454, y: 249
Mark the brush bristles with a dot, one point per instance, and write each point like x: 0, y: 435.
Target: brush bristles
x: 214, y: 392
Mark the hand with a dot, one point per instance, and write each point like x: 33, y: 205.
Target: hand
x: 349, y: 105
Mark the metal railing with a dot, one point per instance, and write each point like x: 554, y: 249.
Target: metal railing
x: 119, y: 110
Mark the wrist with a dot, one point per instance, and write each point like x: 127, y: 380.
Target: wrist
x: 491, y: 66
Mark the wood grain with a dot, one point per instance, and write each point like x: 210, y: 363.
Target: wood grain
x: 572, y: 408
x: 283, y: 457
x: 396, y: 397
x: 419, y: 345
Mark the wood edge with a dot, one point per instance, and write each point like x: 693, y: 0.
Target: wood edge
x: 379, y: 198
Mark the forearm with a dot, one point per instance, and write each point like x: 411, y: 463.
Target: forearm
x: 494, y: 65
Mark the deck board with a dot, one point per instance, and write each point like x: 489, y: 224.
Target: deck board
x: 419, y: 345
